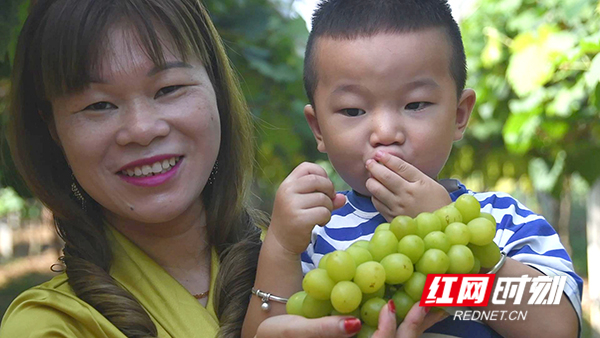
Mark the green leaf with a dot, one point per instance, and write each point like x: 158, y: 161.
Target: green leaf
x: 543, y: 178
x: 529, y: 69
x: 592, y: 75
x: 519, y: 131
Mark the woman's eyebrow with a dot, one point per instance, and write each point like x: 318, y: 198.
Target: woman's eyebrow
x: 157, y: 69
x: 168, y: 65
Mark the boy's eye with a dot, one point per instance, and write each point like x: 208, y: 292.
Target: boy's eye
x: 100, y: 106
x: 166, y: 90
x: 417, y: 105
x: 353, y: 112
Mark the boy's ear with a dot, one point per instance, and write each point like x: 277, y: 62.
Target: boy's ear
x: 313, y: 123
x: 463, y: 112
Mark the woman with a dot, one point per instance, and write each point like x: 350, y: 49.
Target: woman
x: 127, y: 122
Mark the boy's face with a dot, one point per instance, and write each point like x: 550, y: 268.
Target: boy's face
x: 389, y: 92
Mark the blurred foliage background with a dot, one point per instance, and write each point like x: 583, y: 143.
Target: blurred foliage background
x: 535, y: 65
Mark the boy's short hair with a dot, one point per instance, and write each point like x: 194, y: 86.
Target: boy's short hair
x: 351, y: 19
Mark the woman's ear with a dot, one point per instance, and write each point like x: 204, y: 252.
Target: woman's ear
x: 313, y: 123
x: 466, y: 102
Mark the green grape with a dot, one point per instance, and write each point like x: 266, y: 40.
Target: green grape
x: 468, y: 206
x: 414, y: 286
x: 383, y: 226
x: 340, y: 266
x: 382, y: 244
x: 426, y: 223
x: 359, y: 254
x: 448, y: 215
x: 482, y: 231
x: 412, y: 246
x: 488, y: 254
x: 458, y: 233
x: 369, y: 311
x: 361, y: 244
x: 346, y: 297
x: 323, y: 262
x: 403, y: 304
x: 390, y: 289
x: 436, y: 240
x: 476, y: 265
x: 318, y: 284
x: 315, y: 308
x: 294, y: 303
x: 488, y: 216
x: 379, y: 293
x: 398, y: 268
x: 366, y: 331
x: 355, y: 313
x: 370, y: 276
x: 461, y: 259
x: 402, y: 226
x: 433, y: 261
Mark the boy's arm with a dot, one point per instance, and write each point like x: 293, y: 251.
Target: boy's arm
x: 279, y: 272
x: 546, y: 321
x: 535, y: 250
x: 305, y: 198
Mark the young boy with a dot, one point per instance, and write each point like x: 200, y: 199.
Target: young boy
x: 385, y: 80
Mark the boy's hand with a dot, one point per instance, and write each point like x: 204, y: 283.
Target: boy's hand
x: 304, y: 199
x: 398, y: 188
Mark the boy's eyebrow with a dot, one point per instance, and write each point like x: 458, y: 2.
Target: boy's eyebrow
x: 424, y: 82
x: 352, y: 88
x: 152, y: 72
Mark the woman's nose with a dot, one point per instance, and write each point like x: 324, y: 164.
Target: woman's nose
x: 387, y: 129
x: 141, y: 125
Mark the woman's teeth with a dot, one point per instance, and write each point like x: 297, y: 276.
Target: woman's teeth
x: 159, y: 167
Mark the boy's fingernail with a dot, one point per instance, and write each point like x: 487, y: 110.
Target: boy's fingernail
x: 352, y: 325
x: 379, y: 154
x: 369, y: 161
x: 392, y: 306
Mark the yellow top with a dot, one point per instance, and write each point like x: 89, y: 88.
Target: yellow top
x: 52, y: 309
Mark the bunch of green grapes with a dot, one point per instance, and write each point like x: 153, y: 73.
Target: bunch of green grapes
x: 394, y: 263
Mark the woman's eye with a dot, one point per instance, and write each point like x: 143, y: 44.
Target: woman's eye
x: 100, y: 106
x: 166, y: 90
x: 417, y: 105
x: 353, y: 112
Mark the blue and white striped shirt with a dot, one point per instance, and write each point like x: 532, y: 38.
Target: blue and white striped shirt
x: 522, y: 234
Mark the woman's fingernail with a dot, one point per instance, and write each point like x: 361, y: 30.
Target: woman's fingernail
x: 392, y: 306
x: 352, y: 325
x: 369, y: 161
x: 379, y: 154
x: 426, y: 309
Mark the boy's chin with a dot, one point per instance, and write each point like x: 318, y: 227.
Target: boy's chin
x: 362, y: 191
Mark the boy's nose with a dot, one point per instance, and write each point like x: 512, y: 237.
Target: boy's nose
x: 386, y: 130
x: 141, y: 124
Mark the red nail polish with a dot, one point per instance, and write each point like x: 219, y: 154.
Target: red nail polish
x: 392, y: 306
x: 352, y: 325
x: 426, y: 309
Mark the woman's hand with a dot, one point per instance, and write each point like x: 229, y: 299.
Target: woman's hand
x: 417, y: 320
x: 304, y: 199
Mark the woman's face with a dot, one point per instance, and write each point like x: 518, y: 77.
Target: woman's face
x: 141, y: 140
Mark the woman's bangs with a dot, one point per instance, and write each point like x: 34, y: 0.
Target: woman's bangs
x: 71, y: 49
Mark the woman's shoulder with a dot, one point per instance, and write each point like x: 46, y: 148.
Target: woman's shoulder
x: 53, y: 309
